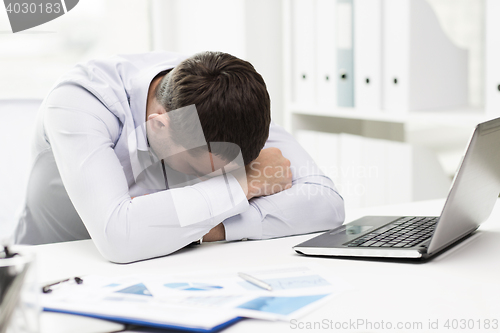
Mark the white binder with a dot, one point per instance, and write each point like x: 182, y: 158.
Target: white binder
x: 399, y: 170
x: 423, y: 69
x: 492, y: 71
x: 308, y: 140
x: 368, y: 54
x: 323, y: 149
x: 303, y: 52
x: 396, y: 49
x: 351, y: 184
x: 375, y: 172
x: 326, y: 53
x: 328, y: 154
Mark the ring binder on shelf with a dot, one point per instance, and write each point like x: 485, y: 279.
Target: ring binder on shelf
x: 326, y: 54
x: 423, y: 69
x: 345, y: 51
x: 368, y: 55
x: 303, y: 50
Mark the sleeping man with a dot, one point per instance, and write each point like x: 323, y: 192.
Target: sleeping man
x: 147, y: 153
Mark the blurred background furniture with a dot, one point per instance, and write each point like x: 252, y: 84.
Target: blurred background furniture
x: 17, y: 127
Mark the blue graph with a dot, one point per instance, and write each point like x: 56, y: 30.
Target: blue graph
x: 294, y: 282
x: 136, y: 289
x: 280, y: 305
x: 191, y: 286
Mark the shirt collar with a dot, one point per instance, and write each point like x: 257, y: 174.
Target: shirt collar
x: 138, y: 95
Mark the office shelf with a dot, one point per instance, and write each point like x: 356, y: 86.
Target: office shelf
x: 465, y: 116
x: 373, y: 123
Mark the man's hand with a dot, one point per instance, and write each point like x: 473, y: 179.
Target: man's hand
x: 217, y: 233
x: 268, y: 174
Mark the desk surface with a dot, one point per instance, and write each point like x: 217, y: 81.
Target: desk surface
x: 460, y: 284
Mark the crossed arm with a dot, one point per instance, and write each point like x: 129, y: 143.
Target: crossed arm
x: 125, y: 229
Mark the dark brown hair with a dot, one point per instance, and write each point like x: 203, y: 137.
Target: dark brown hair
x: 231, y: 99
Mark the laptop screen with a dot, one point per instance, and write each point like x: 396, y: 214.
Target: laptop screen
x: 475, y: 187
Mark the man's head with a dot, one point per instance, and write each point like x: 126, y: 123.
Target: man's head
x: 231, y: 100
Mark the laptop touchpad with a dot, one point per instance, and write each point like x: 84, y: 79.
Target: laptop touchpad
x: 357, y: 229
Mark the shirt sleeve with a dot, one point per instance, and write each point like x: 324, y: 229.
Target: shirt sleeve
x: 82, y: 137
x: 311, y: 204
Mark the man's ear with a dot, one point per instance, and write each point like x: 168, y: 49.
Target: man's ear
x: 158, y: 121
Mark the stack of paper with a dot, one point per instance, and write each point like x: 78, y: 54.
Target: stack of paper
x: 203, y: 302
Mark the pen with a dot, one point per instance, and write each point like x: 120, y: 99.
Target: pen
x: 8, y: 253
x: 255, y: 281
x: 47, y: 288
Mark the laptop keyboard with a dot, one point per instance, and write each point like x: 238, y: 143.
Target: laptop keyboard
x: 403, y: 232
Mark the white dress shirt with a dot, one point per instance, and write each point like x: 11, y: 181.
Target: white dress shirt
x: 83, y: 183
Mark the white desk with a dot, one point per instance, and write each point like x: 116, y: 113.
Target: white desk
x: 462, y: 283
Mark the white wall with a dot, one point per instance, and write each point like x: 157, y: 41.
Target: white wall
x: 16, y: 131
x: 191, y: 26
x: 251, y: 30
x: 94, y: 28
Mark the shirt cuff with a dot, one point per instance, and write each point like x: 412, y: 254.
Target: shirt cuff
x: 245, y: 225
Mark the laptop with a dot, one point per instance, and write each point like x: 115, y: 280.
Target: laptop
x: 473, y: 194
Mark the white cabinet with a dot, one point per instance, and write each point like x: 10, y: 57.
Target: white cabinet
x: 442, y: 132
